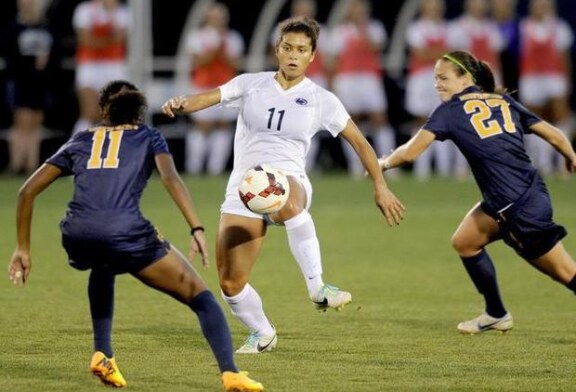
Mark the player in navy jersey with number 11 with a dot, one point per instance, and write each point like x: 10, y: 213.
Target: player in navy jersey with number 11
x: 105, y: 231
x: 489, y: 128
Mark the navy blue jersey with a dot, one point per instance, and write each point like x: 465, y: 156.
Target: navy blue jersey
x: 489, y: 130
x: 111, y: 167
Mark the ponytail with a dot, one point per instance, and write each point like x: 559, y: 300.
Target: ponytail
x: 480, y: 71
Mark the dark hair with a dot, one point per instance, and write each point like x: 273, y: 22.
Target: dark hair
x: 300, y: 24
x: 480, y: 71
x: 121, y: 102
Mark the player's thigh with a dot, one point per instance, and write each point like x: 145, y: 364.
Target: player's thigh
x: 238, y: 246
x: 174, y: 275
x: 300, y: 198
x: 476, y: 230
x: 557, y: 263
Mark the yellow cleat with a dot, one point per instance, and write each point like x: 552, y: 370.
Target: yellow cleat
x: 240, y: 382
x: 106, y: 370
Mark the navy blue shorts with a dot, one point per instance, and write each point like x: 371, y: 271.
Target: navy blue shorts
x: 527, y: 226
x: 119, y: 258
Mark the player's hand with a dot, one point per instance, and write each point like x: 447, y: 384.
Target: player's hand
x: 198, y: 245
x: 390, y: 206
x: 19, y: 267
x: 173, y: 105
x: 381, y: 163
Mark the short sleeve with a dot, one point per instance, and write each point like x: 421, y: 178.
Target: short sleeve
x: 236, y: 87
x: 526, y: 117
x: 158, y: 144
x: 437, y: 123
x: 334, y: 115
x: 62, y: 158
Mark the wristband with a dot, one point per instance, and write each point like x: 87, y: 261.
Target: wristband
x: 195, y: 229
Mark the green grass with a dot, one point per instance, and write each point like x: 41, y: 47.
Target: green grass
x: 409, y: 291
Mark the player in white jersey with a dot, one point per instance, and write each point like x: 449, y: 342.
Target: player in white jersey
x: 279, y: 112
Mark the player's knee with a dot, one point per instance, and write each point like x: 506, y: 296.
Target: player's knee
x: 458, y: 243
x: 463, y: 246
x: 189, y: 287
x: 231, y: 287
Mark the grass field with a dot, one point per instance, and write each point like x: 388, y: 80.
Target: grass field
x: 408, y: 286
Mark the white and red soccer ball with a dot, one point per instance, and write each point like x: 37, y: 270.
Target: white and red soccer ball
x: 264, y: 189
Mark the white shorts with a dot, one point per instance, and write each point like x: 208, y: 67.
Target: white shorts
x: 96, y: 74
x: 214, y: 113
x: 361, y: 93
x: 538, y: 89
x: 421, y: 96
x: 234, y: 206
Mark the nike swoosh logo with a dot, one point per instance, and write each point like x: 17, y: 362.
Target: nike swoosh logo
x: 262, y: 348
x: 486, y: 326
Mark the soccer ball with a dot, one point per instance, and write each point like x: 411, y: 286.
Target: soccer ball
x: 264, y: 189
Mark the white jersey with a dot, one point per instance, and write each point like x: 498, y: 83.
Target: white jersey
x: 274, y: 125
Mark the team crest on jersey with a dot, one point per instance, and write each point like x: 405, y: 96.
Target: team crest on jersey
x: 301, y: 101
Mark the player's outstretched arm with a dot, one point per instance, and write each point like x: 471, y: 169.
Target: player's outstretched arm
x: 21, y: 263
x: 407, y: 152
x: 557, y: 139
x: 191, y: 103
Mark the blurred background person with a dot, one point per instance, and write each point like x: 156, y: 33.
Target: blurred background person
x: 545, y: 77
x: 505, y: 16
x: 29, y: 49
x: 426, y: 38
x: 318, y: 71
x: 358, y: 43
x: 475, y: 32
x: 216, y: 52
x: 101, y: 29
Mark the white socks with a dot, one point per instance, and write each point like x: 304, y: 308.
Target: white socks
x: 306, y: 249
x: 247, y: 307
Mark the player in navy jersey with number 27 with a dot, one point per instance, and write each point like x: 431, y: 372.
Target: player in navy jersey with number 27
x: 105, y: 231
x: 489, y: 127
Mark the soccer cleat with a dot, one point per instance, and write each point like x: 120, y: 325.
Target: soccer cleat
x: 485, y: 322
x: 240, y: 382
x: 106, y: 370
x: 331, y: 297
x: 256, y: 344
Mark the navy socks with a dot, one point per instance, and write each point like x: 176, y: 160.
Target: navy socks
x: 215, y: 329
x: 101, y: 296
x: 482, y: 272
